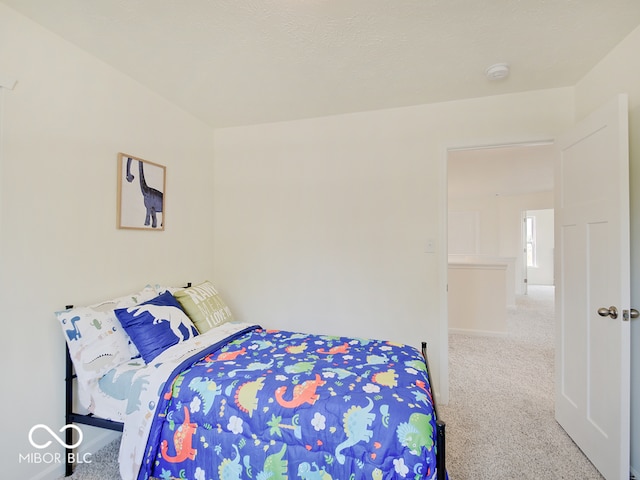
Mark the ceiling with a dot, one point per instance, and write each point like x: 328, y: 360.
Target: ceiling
x: 239, y: 62
x: 501, y: 171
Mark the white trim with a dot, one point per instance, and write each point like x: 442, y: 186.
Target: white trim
x: 477, y: 266
x: 442, y: 260
x: 477, y: 333
x: 492, y: 146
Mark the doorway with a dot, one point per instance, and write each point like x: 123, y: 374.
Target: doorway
x: 488, y: 189
x: 491, y: 192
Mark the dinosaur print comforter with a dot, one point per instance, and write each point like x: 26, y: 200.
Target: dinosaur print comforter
x: 277, y: 404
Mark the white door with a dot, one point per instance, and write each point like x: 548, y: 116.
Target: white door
x: 592, y: 245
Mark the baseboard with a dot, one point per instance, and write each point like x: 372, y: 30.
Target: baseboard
x: 56, y: 470
x: 480, y: 333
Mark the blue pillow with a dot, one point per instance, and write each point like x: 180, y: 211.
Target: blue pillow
x: 156, y: 325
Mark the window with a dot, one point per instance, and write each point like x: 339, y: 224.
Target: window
x: 530, y: 240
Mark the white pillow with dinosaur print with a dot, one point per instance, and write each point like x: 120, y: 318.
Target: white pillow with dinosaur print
x: 97, y: 342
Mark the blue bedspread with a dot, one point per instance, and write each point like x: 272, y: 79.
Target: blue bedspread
x: 277, y: 404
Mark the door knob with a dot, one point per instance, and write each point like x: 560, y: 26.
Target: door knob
x: 608, y: 312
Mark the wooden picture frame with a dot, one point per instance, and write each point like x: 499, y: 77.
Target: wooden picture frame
x: 141, y: 193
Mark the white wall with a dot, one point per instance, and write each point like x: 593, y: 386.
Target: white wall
x: 619, y: 72
x: 322, y: 224
x: 463, y: 231
x: 500, y: 224
x: 485, y: 210
x: 511, y: 208
x: 62, y: 127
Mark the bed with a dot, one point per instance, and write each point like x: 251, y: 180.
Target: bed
x: 202, y: 396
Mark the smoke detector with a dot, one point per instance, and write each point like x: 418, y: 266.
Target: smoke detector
x: 498, y: 71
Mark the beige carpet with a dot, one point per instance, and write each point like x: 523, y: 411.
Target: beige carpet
x: 500, y: 420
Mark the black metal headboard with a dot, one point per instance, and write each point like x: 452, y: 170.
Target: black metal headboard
x: 81, y: 418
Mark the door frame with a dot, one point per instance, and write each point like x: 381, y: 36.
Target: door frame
x: 442, y: 259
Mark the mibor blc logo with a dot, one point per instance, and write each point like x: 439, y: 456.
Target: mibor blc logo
x: 56, y: 457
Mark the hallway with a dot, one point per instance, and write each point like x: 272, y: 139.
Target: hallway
x: 500, y: 419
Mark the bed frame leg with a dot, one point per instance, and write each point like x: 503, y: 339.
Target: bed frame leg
x: 68, y: 465
x: 441, y: 463
x: 441, y: 453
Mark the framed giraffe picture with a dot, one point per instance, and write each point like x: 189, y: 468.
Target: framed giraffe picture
x: 141, y: 193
